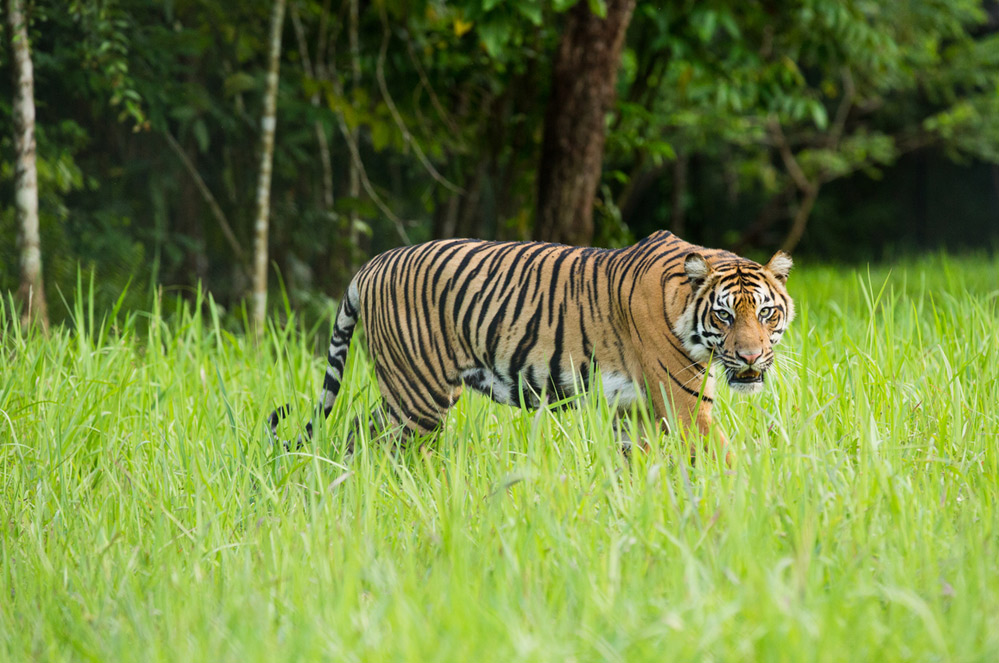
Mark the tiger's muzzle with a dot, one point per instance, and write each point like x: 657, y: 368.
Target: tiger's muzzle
x: 747, y: 377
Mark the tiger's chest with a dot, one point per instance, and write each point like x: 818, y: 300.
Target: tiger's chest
x: 620, y: 388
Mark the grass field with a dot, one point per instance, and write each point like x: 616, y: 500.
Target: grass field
x: 147, y: 517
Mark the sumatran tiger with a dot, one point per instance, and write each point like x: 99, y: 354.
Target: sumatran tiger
x: 526, y: 322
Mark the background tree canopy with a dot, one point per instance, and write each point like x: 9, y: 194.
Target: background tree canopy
x: 846, y: 129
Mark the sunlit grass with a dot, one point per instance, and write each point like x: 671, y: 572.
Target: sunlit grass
x: 147, y: 516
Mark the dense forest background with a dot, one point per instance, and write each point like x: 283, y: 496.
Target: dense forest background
x: 844, y: 130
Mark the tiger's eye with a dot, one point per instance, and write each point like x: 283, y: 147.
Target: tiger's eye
x: 723, y: 315
x: 766, y: 313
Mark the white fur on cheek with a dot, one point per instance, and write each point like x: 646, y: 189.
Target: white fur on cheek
x: 684, y: 328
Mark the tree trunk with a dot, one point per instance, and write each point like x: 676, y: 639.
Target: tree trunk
x: 584, y: 80
x: 32, y: 290
x: 268, y: 121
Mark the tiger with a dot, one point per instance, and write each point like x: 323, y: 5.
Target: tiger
x: 528, y: 323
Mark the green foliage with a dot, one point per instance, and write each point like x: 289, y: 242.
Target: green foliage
x: 852, y: 85
x: 448, y: 104
x: 148, y: 517
x: 59, y: 175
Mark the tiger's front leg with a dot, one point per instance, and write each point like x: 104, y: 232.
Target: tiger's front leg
x: 691, y: 401
x: 707, y: 429
x: 627, y: 438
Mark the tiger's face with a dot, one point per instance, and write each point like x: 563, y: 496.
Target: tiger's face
x: 738, y: 313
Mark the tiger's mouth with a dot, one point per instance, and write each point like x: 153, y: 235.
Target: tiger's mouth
x: 746, y: 380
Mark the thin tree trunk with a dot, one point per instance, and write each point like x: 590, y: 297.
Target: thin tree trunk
x: 267, y: 124
x: 32, y: 289
x: 584, y: 80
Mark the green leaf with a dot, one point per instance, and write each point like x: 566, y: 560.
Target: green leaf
x: 381, y: 134
x: 706, y: 22
x: 361, y: 206
x: 494, y: 35
x: 237, y: 83
x: 531, y: 10
x: 819, y: 115
x: 200, y: 132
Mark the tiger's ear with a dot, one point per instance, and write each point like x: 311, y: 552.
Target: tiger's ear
x: 697, y: 268
x: 780, y: 266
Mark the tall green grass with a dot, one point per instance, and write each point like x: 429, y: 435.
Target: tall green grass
x: 146, y: 515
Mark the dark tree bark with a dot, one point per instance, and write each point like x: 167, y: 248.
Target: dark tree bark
x: 584, y: 80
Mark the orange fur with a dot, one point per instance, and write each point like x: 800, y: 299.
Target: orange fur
x: 526, y: 321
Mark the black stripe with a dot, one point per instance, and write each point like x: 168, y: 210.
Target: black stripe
x: 555, y: 363
x: 525, y: 344
x: 553, y: 282
x: 683, y: 387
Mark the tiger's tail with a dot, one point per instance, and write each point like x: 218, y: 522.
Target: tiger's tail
x: 336, y: 356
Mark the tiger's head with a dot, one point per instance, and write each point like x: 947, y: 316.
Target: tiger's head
x: 739, y: 310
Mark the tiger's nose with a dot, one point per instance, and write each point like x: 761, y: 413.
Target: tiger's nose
x: 749, y: 356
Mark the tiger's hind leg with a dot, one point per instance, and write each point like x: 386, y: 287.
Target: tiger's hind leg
x: 382, y: 430
x: 380, y: 425
x: 415, y: 399
x: 387, y: 425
